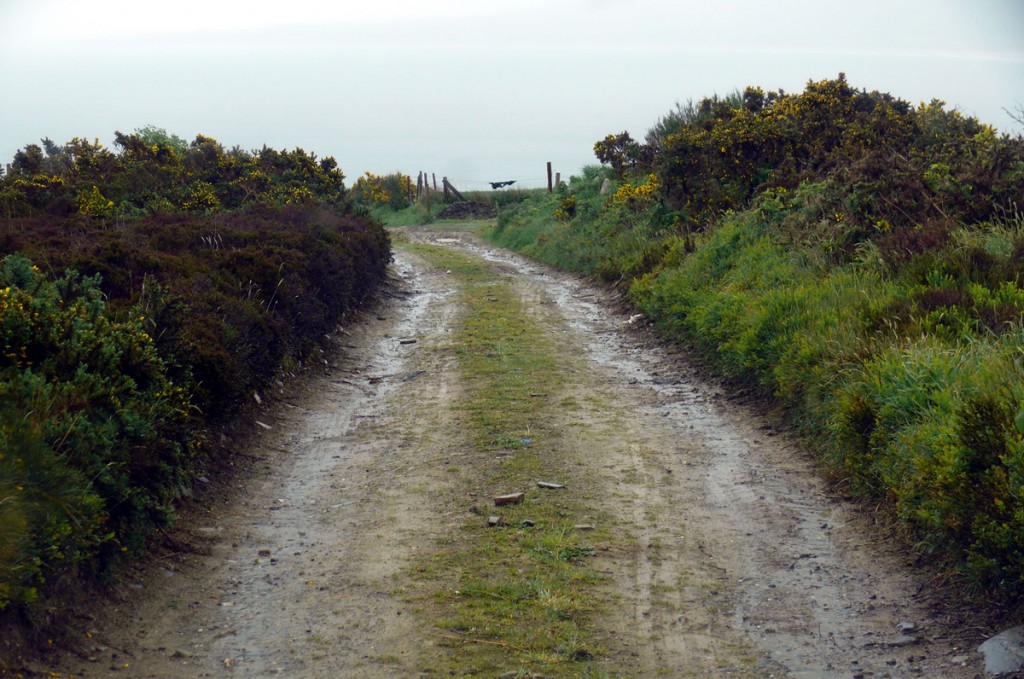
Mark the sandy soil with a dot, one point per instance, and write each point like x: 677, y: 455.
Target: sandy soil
x: 736, y: 560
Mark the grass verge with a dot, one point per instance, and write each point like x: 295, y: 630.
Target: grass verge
x: 516, y: 597
x: 412, y: 215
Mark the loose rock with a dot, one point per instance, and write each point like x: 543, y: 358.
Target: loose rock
x: 511, y: 498
x: 1004, y: 653
x: 904, y: 640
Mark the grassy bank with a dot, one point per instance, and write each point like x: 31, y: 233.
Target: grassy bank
x: 837, y: 250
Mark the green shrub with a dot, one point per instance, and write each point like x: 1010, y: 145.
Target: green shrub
x: 96, y: 442
x: 909, y: 383
x: 153, y: 172
x: 205, y: 273
x: 858, y: 259
x: 933, y: 427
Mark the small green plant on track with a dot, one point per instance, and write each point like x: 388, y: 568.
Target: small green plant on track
x: 519, y: 596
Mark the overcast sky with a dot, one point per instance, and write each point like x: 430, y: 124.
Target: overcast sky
x: 480, y: 90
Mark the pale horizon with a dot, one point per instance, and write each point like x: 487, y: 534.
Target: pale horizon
x: 476, y: 92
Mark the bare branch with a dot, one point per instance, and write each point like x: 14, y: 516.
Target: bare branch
x: 1017, y: 114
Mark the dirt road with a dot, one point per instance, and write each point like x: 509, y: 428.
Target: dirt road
x: 725, y: 555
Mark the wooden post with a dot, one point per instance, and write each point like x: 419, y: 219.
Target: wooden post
x: 549, y: 176
x: 434, y: 177
x: 444, y: 183
x: 558, y: 179
x: 454, y: 191
x: 419, y: 184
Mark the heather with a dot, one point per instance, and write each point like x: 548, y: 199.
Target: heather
x: 146, y: 294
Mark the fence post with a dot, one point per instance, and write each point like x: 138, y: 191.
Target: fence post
x: 455, y: 192
x: 549, y: 176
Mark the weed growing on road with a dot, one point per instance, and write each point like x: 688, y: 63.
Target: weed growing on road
x: 520, y: 595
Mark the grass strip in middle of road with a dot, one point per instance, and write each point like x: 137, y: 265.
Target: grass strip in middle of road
x: 517, y: 596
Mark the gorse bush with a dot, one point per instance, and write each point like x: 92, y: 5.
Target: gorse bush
x: 161, y: 313
x: 153, y: 172
x: 892, y: 166
x: 392, y: 191
x: 854, y: 257
x: 95, y: 436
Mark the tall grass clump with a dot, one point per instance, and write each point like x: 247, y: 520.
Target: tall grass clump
x: 502, y: 198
